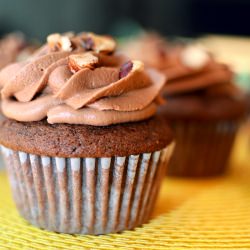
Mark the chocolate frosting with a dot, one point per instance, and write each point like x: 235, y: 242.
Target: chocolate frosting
x: 201, y: 88
x: 80, y: 80
x: 198, y: 87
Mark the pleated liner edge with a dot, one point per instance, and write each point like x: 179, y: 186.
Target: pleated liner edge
x: 86, y: 195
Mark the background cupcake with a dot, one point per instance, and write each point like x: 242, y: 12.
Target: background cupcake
x: 83, y: 150
x: 14, y: 47
x: 205, y: 109
x: 10, y: 47
x: 203, y: 105
x: 151, y: 48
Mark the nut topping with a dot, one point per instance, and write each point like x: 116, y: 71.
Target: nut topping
x: 80, y: 61
x: 194, y: 57
x: 57, y: 41
x: 129, y: 66
x: 98, y: 43
x: 125, y: 69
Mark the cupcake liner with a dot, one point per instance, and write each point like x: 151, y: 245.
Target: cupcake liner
x: 202, y: 149
x: 85, y: 195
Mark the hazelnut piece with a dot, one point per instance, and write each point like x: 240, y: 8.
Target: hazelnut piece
x: 125, y: 69
x: 57, y: 41
x: 194, y: 57
x: 129, y: 66
x: 83, y: 60
x: 98, y: 43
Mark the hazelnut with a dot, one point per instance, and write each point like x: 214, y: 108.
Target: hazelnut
x: 52, y: 39
x: 80, y: 61
x: 66, y: 44
x: 57, y: 41
x: 98, y: 43
x: 129, y: 66
x: 138, y: 65
x: 88, y: 43
x: 125, y: 69
x: 194, y: 56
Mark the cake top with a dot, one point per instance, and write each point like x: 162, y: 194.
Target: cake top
x: 80, y: 79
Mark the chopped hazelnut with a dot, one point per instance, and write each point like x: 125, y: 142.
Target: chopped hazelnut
x: 194, y: 57
x: 66, y: 44
x: 57, y: 41
x: 80, y: 61
x: 88, y: 43
x: 125, y: 69
x: 98, y: 43
x: 129, y: 66
x: 53, y: 39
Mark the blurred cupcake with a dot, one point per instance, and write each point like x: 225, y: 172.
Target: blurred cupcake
x: 14, y: 47
x: 152, y: 49
x: 205, y: 109
x: 84, y: 151
x: 10, y: 47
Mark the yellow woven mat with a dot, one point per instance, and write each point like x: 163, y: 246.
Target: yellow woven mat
x: 204, y: 214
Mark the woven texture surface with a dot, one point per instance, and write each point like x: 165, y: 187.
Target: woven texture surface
x: 190, y: 214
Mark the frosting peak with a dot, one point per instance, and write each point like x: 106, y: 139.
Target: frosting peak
x: 79, y: 79
x: 189, y: 68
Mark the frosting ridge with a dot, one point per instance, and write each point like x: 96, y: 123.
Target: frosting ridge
x: 80, y: 79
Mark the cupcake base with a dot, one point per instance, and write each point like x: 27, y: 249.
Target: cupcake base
x: 202, y: 148
x: 85, y: 195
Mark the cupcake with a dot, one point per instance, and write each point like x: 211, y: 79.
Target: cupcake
x: 205, y: 109
x: 14, y: 47
x: 152, y: 49
x: 84, y: 149
x: 204, y: 106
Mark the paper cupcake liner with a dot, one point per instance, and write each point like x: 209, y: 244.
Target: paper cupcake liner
x: 85, y: 195
x: 202, y: 149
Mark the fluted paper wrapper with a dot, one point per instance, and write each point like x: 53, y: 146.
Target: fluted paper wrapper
x: 85, y: 195
x: 202, y: 149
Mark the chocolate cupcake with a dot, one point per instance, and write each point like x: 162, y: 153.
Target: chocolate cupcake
x: 203, y: 105
x: 85, y: 152
x: 152, y: 49
x: 205, y: 109
x: 14, y: 47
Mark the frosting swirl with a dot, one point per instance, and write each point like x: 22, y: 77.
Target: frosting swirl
x: 188, y: 67
x: 195, y: 69
x: 80, y: 80
x: 198, y: 86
